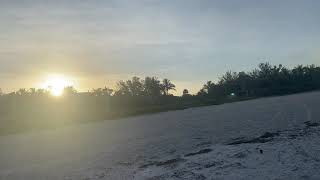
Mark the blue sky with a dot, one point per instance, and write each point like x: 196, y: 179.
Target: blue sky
x: 99, y: 42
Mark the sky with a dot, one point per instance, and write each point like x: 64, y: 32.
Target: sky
x: 96, y: 43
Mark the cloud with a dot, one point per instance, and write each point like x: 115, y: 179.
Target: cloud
x: 180, y: 39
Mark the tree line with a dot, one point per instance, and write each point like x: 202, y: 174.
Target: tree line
x: 265, y: 80
x: 150, y: 86
x: 28, y: 109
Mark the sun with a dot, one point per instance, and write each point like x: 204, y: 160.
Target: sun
x: 56, y: 84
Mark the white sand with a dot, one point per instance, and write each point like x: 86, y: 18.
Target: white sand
x: 295, y: 154
x: 154, y: 146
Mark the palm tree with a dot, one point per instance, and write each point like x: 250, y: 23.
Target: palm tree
x: 135, y: 86
x: 208, y: 87
x: 166, y: 86
x: 185, y: 92
x: 152, y: 86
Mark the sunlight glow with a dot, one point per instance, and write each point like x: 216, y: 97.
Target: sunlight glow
x: 55, y: 84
